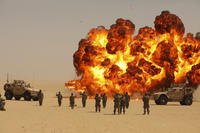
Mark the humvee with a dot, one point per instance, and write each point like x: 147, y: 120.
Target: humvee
x: 19, y: 89
x: 175, y: 93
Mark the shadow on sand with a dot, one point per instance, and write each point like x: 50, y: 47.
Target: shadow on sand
x: 166, y: 105
x: 109, y: 114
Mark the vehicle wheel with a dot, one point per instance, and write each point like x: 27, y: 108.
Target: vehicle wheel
x: 17, y: 97
x: 182, y: 103
x: 27, y: 96
x: 188, y: 101
x: 163, y: 100
x: 35, y: 98
x: 157, y: 102
x: 8, y: 95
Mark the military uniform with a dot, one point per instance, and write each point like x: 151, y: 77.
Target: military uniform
x: 122, y: 104
x: 97, y: 103
x: 40, y: 97
x: 59, y: 96
x: 84, y: 98
x: 116, y: 103
x: 198, y: 36
x: 146, y: 103
x: 2, y: 104
x: 104, y: 100
x: 127, y: 99
x: 72, y: 101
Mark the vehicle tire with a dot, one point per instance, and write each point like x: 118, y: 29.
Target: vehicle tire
x: 27, y: 96
x: 182, y: 102
x: 188, y: 100
x: 8, y: 95
x: 163, y: 100
x: 17, y: 97
x: 157, y: 102
x: 35, y: 98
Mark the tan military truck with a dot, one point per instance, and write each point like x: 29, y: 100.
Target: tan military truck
x: 176, y: 93
x: 19, y: 89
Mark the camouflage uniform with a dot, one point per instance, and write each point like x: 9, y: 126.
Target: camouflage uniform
x: 2, y: 104
x: 116, y: 103
x: 72, y: 101
x: 59, y: 96
x: 84, y: 98
x: 104, y: 100
x: 97, y: 103
x: 122, y: 104
x: 127, y: 100
x: 40, y: 97
x: 146, y: 103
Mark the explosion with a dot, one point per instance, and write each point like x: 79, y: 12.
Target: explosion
x: 113, y: 60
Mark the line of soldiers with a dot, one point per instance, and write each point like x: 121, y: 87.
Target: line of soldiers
x: 121, y: 101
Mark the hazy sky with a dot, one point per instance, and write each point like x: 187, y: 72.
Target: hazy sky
x: 39, y: 37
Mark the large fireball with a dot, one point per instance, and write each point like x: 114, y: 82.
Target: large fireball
x: 113, y: 60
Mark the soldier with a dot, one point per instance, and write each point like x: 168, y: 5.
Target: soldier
x: 72, y: 101
x: 84, y: 98
x: 116, y: 103
x: 122, y: 104
x: 198, y: 36
x: 146, y: 103
x: 104, y: 99
x: 40, y: 97
x: 97, y: 103
x: 2, y: 104
x: 59, y: 96
x: 127, y: 99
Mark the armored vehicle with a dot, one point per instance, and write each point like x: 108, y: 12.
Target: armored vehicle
x: 175, y: 93
x: 19, y: 89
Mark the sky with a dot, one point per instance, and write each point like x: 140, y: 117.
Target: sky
x: 38, y: 37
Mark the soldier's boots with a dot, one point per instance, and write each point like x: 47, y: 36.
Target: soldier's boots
x: 83, y: 103
x: 59, y: 103
x: 104, y: 104
x: 146, y: 110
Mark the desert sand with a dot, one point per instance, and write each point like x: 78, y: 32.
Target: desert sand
x: 28, y: 117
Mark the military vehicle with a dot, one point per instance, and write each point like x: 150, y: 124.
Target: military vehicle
x: 175, y: 93
x: 19, y: 89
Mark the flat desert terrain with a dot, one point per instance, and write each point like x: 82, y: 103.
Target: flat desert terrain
x: 28, y: 117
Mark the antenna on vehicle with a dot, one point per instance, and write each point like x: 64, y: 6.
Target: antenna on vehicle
x: 7, y: 78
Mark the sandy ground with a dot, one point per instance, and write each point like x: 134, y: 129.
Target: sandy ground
x: 28, y: 117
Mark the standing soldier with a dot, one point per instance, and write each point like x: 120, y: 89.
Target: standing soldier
x: 97, y: 103
x: 59, y: 96
x: 197, y: 36
x: 116, y: 103
x: 40, y: 97
x: 122, y: 104
x: 84, y: 98
x: 146, y: 103
x: 127, y: 99
x: 104, y: 100
x: 2, y: 104
x: 72, y: 101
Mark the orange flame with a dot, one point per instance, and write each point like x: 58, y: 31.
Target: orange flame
x: 112, y: 60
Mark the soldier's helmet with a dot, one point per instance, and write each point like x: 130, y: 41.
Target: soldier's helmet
x: 72, y: 94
